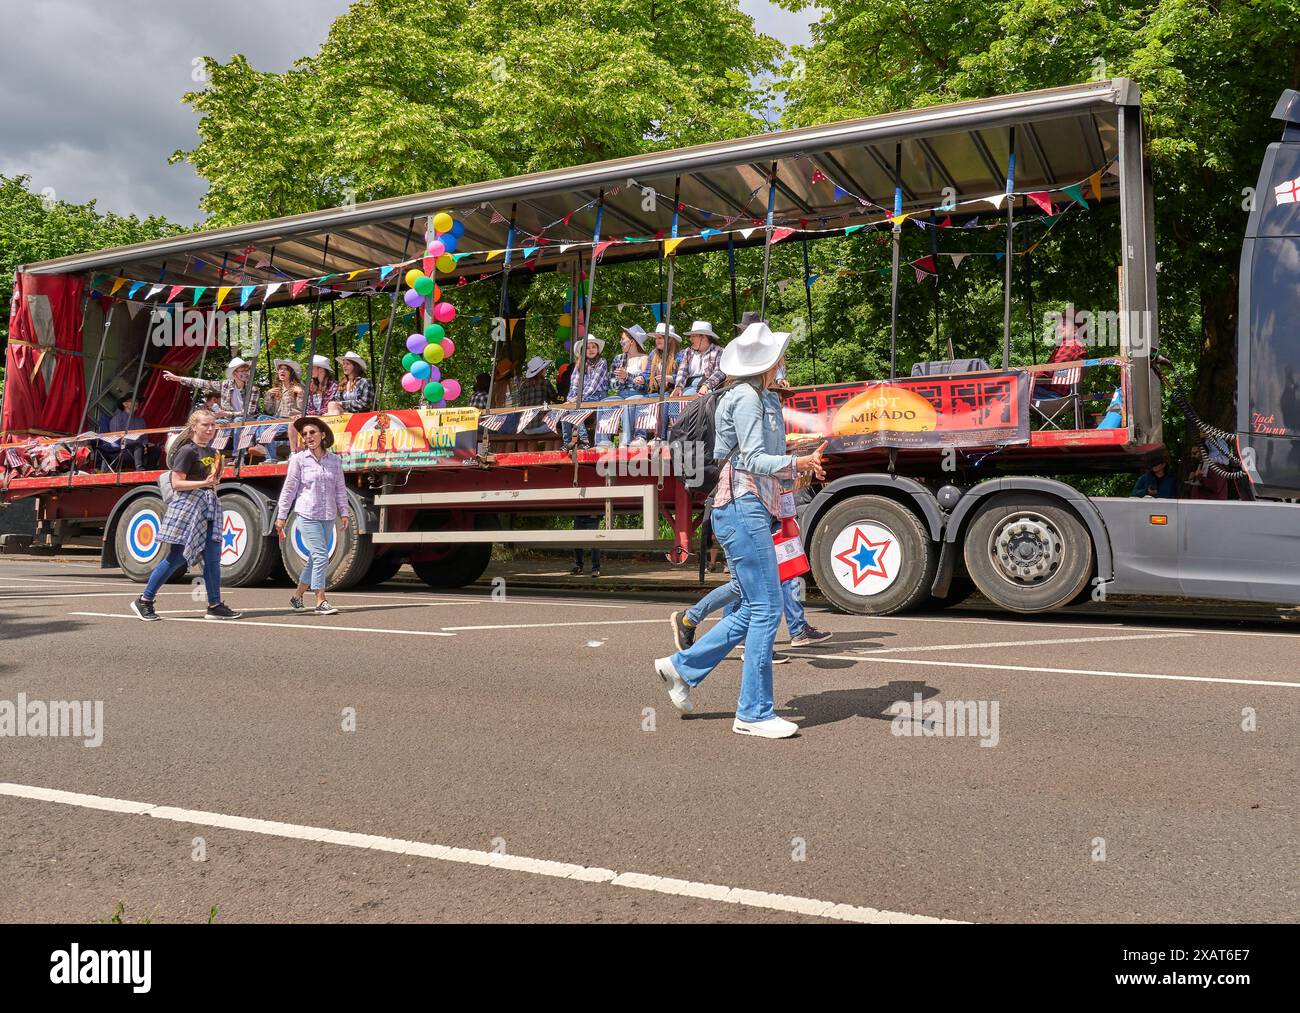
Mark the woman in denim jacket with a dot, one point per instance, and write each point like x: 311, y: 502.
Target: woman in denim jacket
x: 750, y: 436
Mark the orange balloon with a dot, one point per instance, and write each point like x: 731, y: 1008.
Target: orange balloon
x: 437, y: 292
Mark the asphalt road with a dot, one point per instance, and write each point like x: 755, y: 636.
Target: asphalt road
x: 495, y: 738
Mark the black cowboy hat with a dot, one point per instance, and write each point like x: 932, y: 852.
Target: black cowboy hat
x: 326, y: 434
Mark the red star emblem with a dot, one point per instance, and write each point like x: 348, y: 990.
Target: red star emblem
x: 865, y: 557
x: 230, y: 536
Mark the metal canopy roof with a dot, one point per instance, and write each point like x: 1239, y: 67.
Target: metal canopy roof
x: 1063, y: 136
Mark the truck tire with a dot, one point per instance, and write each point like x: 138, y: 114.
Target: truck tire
x: 136, y: 537
x: 959, y: 589
x: 1027, y: 552
x: 350, y: 553
x: 457, y: 566
x: 247, y: 555
x: 383, y: 568
x: 872, y: 556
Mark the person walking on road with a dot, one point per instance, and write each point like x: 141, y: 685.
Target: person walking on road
x: 750, y: 436
x: 315, y: 489
x: 191, y: 524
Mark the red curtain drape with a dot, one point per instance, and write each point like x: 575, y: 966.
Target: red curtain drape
x: 44, y: 322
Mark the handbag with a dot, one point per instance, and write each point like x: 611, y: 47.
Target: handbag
x: 791, y: 560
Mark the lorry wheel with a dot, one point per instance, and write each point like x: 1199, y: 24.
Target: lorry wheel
x: 1027, y: 553
x: 383, y: 568
x: 455, y: 566
x: 872, y: 556
x: 136, y: 537
x: 350, y: 554
x: 247, y: 555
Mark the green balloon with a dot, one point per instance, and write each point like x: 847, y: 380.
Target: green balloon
x: 408, y: 360
x: 433, y: 392
x: 563, y: 333
x: 434, y: 333
x: 424, y: 285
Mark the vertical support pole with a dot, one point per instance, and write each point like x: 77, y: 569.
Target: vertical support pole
x: 503, y: 305
x: 382, y: 372
x: 90, y: 387
x: 807, y: 288
x: 661, y: 426
x: 893, y: 272
x: 731, y: 271
x: 1010, y: 252
x: 767, y: 245
x: 934, y: 256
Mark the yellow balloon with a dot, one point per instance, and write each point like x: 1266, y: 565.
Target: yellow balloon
x: 433, y: 352
x: 411, y: 277
x: 442, y: 222
x: 566, y: 320
x: 445, y: 263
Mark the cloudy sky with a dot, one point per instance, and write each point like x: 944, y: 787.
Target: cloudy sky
x: 90, y: 92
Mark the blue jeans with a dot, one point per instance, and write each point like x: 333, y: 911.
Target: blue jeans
x: 726, y: 595
x: 586, y: 522
x: 622, y: 394
x: 566, y: 431
x: 744, y: 528
x: 316, y: 536
x: 175, y: 559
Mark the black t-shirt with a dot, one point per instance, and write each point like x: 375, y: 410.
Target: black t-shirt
x: 195, y: 461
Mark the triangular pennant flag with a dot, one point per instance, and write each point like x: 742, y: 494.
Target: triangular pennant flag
x: 996, y: 200
x: 385, y: 271
x: 362, y: 329
x: 222, y: 293
x: 529, y: 251
x: 849, y: 230
x: 244, y: 293
x: 133, y: 308
x: 839, y: 192
x: 296, y: 288
x: 198, y: 294
x: 153, y: 291
x: 973, y: 223
x: 1043, y: 199
x: 781, y: 285
x: 999, y: 255
x: 271, y: 289
x: 458, y: 257
x: 945, y: 222
x: 781, y: 233
x: 567, y: 246
x: 706, y: 233
x: 600, y: 248
x: 658, y: 311
x: 1094, y: 184
x: 494, y: 253
x: 811, y: 279
x: 670, y: 245
x: 427, y: 265
x: 921, y: 275
x: 353, y: 274
x: 957, y: 258
x: 1075, y: 192
x: 176, y: 290
x: 135, y: 287
x: 899, y: 219
x: 297, y: 344
x: 99, y: 281
x: 513, y: 321
x: 926, y: 263
x: 746, y: 233
x: 117, y: 283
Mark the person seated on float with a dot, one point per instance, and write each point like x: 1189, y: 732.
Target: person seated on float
x: 1068, y: 349
x: 700, y: 372
x: 283, y: 401
x: 536, y: 389
x: 133, y: 449
x: 236, y: 399
x: 355, y: 392
x: 658, y: 381
x: 1158, y: 481
x: 324, y: 388
x: 595, y: 387
x: 482, y: 384
x: 629, y: 374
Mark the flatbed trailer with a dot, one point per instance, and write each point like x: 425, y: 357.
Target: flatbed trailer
x: 906, y: 515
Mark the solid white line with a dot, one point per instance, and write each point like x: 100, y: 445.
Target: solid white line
x: 976, y: 645
x: 540, y: 626
x: 483, y: 598
x: 1054, y: 671
x: 467, y: 856
x: 1102, y: 623
x: 300, y: 625
x: 41, y: 596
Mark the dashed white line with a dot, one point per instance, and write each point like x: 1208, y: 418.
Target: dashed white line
x: 299, y: 625
x: 548, y: 626
x: 1019, y: 643
x: 467, y: 856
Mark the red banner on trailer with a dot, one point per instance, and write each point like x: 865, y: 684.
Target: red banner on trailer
x: 963, y: 410
x: 44, y: 380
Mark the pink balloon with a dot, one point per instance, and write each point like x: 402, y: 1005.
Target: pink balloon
x: 452, y: 388
x: 444, y: 312
x: 448, y: 347
x: 437, y: 248
x: 411, y: 383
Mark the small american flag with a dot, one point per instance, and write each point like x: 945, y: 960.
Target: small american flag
x: 648, y: 417
x: 492, y: 423
x: 1068, y: 377
x: 574, y: 417
x: 553, y: 420
x: 526, y: 418
x: 608, y: 421
x: 497, y: 217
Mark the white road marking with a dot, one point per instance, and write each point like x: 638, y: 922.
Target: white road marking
x: 47, y: 583
x: 467, y: 856
x: 299, y: 625
x: 41, y: 596
x: 1102, y: 623
x: 976, y: 645
x: 1053, y: 671
x: 481, y: 598
x: 547, y: 626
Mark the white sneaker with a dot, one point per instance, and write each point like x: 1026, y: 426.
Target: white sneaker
x: 678, y: 692
x: 772, y: 728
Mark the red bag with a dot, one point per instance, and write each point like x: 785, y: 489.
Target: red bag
x: 791, y: 560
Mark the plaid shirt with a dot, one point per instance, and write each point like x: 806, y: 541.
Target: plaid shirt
x: 190, y: 516
x: 361, y: 398
x: 595, y: 383
x: 704, y: 364
x: 536, y: 390
x: 318, y: 404
x: 228, y: 391
x: 478, y: 400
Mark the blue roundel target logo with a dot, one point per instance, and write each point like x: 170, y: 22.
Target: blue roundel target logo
x: 142, y: 536
x: 300, y: 544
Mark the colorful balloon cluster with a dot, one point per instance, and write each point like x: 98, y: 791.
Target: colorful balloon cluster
x: 425, y: 351
x: 564, y: 330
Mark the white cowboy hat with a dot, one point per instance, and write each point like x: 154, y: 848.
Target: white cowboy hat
x: 704, y: 327
x: 233, y: 365
x: 660, y: 328
x: 754, y: 352
x: 294, y: 367
x: 323, y: 363
x: 599, y: 343
x: 535, y: 365
x: 637, y: 333
x: 355, y: 359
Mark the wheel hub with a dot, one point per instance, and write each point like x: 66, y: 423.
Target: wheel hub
x: 1027, y: 549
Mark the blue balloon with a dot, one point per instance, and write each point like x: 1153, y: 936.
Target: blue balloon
x: 457, y: 229
x: 420, y: 370
x: 448, y: 240
x: 568, y: 306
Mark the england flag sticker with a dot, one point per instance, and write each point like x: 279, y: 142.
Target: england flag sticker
x: 1286, y: 193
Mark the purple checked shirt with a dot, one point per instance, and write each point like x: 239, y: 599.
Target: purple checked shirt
x: 315, y: 489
